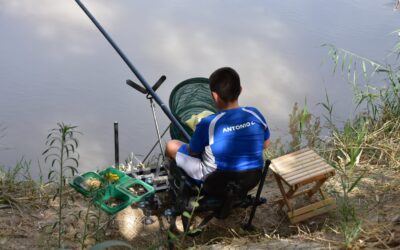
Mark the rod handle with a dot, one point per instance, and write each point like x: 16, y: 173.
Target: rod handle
x: 159, y: 82
x: 136, y: 86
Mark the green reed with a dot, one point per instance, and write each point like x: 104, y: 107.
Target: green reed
x: 61, y: 152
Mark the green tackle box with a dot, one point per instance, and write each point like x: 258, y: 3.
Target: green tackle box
x: 116, y: 194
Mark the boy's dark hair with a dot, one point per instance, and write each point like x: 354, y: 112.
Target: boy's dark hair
x: 226, y: 83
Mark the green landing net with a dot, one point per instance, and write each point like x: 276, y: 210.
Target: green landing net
x: 190, y: 101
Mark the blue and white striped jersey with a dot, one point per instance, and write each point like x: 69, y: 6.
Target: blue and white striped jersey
x: 231, y: 139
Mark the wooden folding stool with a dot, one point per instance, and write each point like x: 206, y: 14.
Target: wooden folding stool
x: 298, y: 169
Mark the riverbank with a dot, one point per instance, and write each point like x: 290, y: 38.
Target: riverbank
x: 27, y: 216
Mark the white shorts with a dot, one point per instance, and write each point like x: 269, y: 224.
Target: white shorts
x: 191, y: 165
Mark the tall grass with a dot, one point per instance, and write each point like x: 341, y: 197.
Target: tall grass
x: 304, y: 128
x: 17, y: 186
x: 371, y: 137
x: 61, y: 152
x: 91, y: 219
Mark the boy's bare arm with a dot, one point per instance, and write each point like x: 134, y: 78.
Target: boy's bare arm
x: 266, y: 143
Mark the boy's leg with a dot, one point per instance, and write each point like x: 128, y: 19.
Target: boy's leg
x: 178, y: 151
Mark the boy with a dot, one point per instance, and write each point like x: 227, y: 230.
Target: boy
x: 232, y: 139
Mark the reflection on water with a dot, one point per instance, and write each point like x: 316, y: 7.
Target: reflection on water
x: 55, y: 66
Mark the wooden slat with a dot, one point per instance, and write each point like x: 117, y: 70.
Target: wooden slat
x: 284, y: 181
x: 304, y: 167
x: 311, y: 207
x: 273, y: 168
x: 307, y: 171
x: 313, y: 166
x: 311, y: 214
x: 289, y: 166
x: 309, y: 174
x: 283, y: 168
x: 297, y: 158
x: 294, y: 155
x: 291, y: 155
x: 314, y: 179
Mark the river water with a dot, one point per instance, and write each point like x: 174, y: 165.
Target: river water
x: 56, y: 67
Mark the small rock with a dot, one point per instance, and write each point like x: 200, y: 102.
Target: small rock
x: 312, y: 223
x: 3, y: 241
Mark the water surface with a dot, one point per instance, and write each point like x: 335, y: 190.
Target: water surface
x: 56, y: 67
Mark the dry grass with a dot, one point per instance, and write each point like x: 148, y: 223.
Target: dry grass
x: 377, y: 197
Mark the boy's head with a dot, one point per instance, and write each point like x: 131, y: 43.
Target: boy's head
x: 225, y: 82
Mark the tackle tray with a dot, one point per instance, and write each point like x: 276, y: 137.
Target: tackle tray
x: 77, y: 183
x: 113, y: 193
x: 117, y: 189
x: 145, y: 189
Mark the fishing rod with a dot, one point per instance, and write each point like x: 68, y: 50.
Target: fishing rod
x: 150, y: 90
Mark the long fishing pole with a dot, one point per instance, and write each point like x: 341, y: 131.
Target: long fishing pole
x: 135, y: 71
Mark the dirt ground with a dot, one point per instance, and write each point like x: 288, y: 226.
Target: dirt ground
x: 377, y: 198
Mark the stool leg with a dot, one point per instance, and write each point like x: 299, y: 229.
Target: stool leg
x: 316, y: 188
x: 288, y: 195
x: 322, y: 194
x: 282, y: 189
